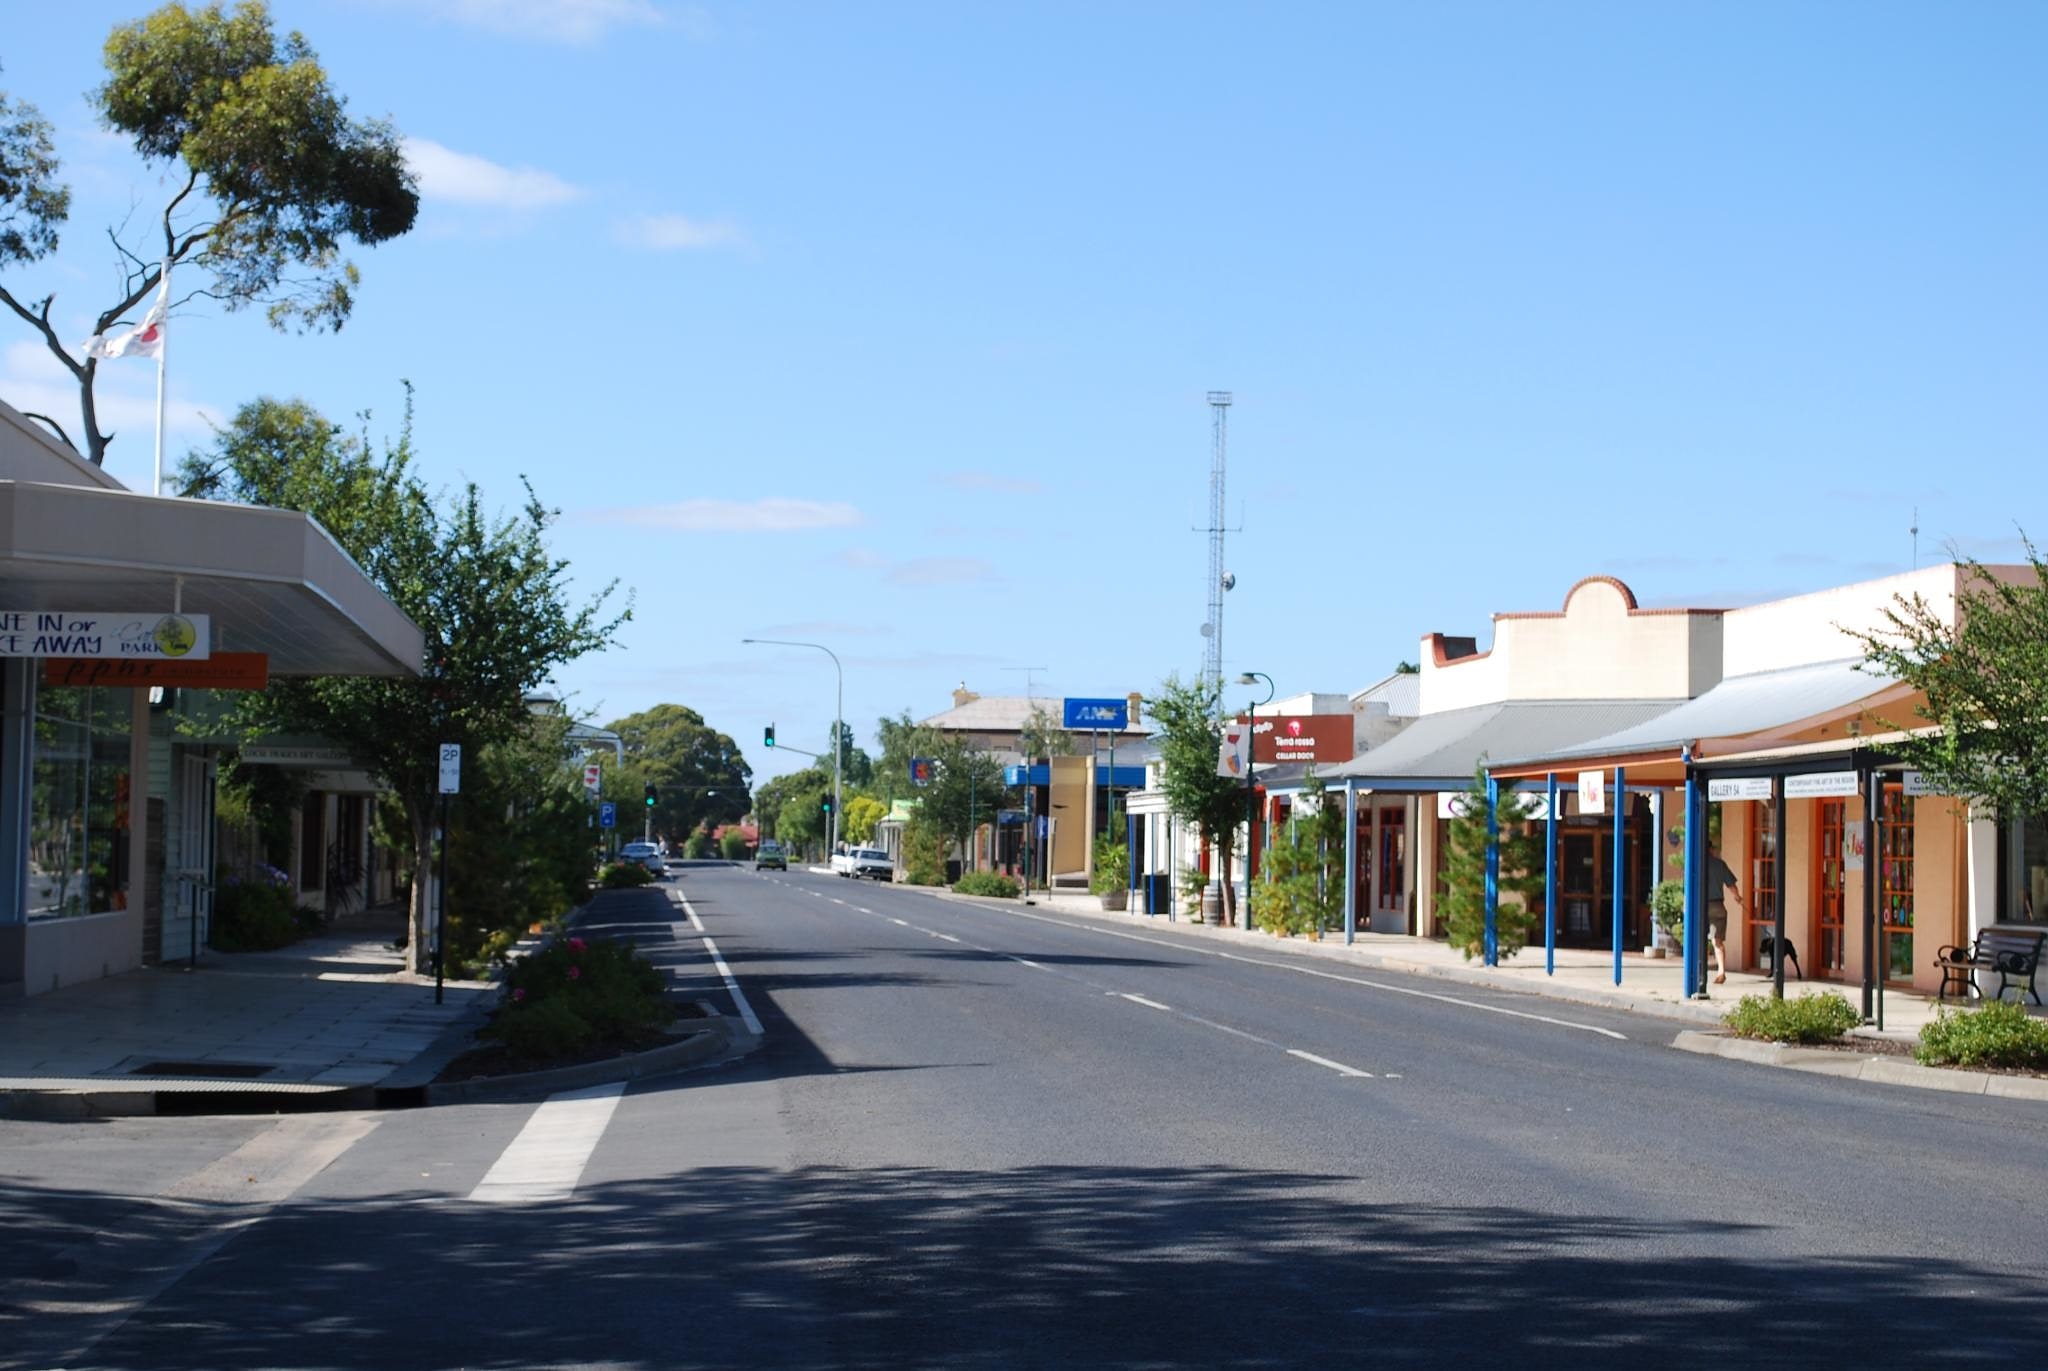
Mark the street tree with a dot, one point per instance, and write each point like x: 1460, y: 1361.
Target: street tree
x: 699, y: 776
x: 966, y: 790
x: 787, y: 806
x: 1189, y: 731
x: 863, y: 812
x: 1982, y: 728
x: 901, y: 738
x: 491, y: 600
x: 1043, y: 736
x: 857, y: 769
x: 1520, y: 872
x: 270, y: 181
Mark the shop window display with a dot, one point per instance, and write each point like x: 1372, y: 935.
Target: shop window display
x: 79, y: 803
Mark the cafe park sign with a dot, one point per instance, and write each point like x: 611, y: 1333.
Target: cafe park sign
x: 149, y: 635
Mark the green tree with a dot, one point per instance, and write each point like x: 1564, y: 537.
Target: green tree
x: 491, y: 600
x: 32, y: 204
x: 1042, y: 736
x: 901, y: 738
x: 699, y: 776
x: 1190, y: 738
x: 1303, y: 889
x: 863, y: 812
x: 966, y: 790
x: 1984, y: 679
x: 787, y: 806
x: 857, y: 769
x: 1463, y: 904
x: 270, y: 179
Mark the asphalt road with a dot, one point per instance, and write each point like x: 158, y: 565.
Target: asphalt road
x: 984, y: 1137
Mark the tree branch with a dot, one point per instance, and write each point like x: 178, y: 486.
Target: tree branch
x: 31, y: 414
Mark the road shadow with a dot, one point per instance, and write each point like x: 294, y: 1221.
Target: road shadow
x: 1052, y: 1266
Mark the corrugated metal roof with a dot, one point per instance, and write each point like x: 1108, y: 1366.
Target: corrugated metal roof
x: 1004, y: 714
x: 1400, y: 692
x: 1447, y: 747
x: 1737, y: 706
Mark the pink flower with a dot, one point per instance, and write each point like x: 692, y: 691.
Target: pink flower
x: 577, y: 945
x: 518, y: 993
x: 575, y: 973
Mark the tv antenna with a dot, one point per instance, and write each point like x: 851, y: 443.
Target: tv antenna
x: 1030, y: 691
x: 1220, y: 578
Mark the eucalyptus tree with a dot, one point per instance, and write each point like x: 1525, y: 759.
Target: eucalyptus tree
x: 270, y: 180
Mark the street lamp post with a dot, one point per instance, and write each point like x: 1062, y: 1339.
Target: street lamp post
x: 1251, y: 794
x: 838, y: 722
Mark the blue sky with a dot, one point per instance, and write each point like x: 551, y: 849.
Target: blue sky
x: 889, y: 325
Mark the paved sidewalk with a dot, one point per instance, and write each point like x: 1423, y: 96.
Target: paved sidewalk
x: 332, y: 1013
x: 1648, y: 985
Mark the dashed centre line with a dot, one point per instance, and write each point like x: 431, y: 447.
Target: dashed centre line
x: 1337, y: 1067
x: 1140, y: 999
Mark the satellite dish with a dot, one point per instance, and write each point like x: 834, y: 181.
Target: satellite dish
x: 1230, y: 580
x: 1208, y: 630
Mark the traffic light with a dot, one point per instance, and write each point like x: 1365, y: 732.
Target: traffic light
x: 825, y: 804
x: 768, y: 736
x: 650, y: 795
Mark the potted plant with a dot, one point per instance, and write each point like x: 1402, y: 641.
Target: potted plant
x: 1667, y: 909
x: 1111, y: 874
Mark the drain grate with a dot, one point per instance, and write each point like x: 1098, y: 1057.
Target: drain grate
x: 225, y: 1071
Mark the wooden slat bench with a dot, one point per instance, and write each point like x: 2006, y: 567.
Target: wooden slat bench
x: 2014, y: 953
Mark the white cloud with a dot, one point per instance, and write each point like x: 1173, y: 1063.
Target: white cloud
x: 124, y: 395
x: 992, y: 481
x: 921, y: 571
x: 463, y: 179
x: 771, y: 515
x: 563, y: 21
x: 677, y: 233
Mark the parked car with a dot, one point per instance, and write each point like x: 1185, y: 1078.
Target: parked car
x: 770, y: 856
x: 857, y: 862
x: 644, y: 854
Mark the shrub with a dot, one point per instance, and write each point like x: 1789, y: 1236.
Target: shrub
x: 1193, y: 883
x: 924, y: 853
x: 1667, y: 906
x: 1801, y: 1019
x: 733, y: 846
x: 574, y: 995
x: 697, y: 847
x: 1999, y: 1034
x: 624, y: 876
x: 990, y: 883
x: 1112, y: 866
x: 254, y: 913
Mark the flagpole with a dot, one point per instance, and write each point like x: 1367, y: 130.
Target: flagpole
x: 163, y: 348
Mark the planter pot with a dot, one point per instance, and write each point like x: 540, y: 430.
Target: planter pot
x: 1114, y: 899
x: 1212, y: 904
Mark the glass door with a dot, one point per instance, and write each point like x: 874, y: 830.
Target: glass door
x: 1830, y: 832
x: 1895, y: 891
x: 1761, y: 879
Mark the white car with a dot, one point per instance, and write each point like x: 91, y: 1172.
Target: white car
x: 856, y: 862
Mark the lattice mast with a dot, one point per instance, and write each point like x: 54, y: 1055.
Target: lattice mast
x: 1212, y: 628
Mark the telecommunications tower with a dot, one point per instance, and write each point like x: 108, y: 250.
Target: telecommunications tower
x: 1220, y: 580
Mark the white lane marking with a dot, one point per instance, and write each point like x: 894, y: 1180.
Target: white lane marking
x: 1026, y: 961
x: 1140, y: 999
x: 947, y: 936
x: 1337, y: 1067
x: 547, y: 1158
x: 900, y: 923
x: 837, y: 900
x: 1311, y: 971
x: 739, y: 996
x: 861, y: 909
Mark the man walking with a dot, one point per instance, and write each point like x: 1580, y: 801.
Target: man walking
x: 1721, y: 887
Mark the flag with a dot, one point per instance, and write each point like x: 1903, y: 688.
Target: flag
x: 146, y: 339
x: 1235, y: 753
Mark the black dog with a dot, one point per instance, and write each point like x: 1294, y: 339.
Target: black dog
x: 1768, y: 951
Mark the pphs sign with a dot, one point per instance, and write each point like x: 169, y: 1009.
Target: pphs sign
x: 1303, y: 738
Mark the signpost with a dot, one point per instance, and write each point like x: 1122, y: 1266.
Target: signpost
x: 451, y: 784
x: 1096, y: 714
x: 1287, y: 738
x: 150, y: 634
x: 593, y: 777
x: 607, y: 815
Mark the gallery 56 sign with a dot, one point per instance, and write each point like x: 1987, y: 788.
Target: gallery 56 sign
x: 1302, y: 738
x: 148, y: 635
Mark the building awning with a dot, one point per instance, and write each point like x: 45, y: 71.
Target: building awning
x: 272, y: 580
x: 1442, y: 751
x: 1742, y: 713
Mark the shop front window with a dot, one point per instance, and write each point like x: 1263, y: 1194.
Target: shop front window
x: 1895, y: 877
x: 2024, y: 893
x: 78, y: 808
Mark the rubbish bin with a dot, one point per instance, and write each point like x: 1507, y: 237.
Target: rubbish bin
x: 1158, y: 892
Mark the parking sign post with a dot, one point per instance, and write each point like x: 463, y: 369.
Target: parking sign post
x: 451, y: 784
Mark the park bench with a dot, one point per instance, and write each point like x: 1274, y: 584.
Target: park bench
x: 2014, y: 953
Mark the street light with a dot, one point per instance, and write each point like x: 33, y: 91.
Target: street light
x: 1251, y: 796
x: 838, y: 722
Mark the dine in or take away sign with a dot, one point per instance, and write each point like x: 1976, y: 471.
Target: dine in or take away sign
x: 149, y: 634
x: 1298, y: 738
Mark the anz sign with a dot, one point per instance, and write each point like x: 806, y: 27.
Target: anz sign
x: 1085, y: 714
